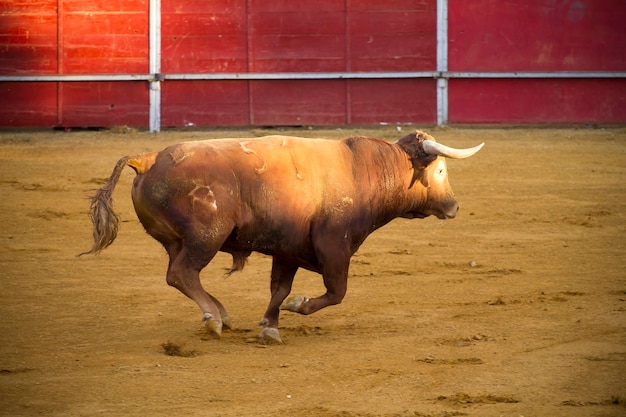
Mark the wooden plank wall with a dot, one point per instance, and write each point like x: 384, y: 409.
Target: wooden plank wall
x: 28, y: 46
x: 542, y: 36
x: 298, y: 36
x: 239, y: 36
x: 40, y: 37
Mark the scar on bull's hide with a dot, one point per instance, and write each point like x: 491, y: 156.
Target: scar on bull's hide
x: 293, y: 160
x: 203, y: 194
x: 348, y: 201
x: 179, y: 155
x: 248, y: 150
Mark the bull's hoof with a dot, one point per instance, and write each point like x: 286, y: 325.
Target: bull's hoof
x: 294, y: 303
x: 213, y: 326
x: 270, y: 335
x: 226, y: 323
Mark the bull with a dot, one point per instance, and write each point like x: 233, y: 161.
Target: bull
x: 307, y: 203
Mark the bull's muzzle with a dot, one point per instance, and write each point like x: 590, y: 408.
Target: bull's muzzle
x: 451, y: 212
x: 448, y: 210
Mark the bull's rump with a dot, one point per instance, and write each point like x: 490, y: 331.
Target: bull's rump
x: 263, y: 194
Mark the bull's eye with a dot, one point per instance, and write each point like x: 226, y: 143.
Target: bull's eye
x: 441, y: 171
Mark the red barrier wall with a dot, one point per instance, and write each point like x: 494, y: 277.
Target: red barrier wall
x: 298, y: 36
x: 542, y: 36
x: 240, y: 36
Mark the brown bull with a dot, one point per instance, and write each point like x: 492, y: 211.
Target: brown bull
x: 308, y: 203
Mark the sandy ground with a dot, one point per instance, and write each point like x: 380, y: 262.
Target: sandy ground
x: 515, y: 308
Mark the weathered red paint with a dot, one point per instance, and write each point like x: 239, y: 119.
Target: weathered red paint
x: 113, y: 103
x: 28, y: 37
x: 538, y: 101
x: 393, y: 101
x: 103, y: 37
x: 18, y: 108
x: 536, y: 35
x: 239, y: 36
x: 215, y: 103
x: 203, y: 37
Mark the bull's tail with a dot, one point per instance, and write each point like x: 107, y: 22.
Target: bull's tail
x: 105, y: 220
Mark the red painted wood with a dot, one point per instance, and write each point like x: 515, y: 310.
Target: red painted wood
x: 204, y: 103
x: 537, y: 35
x: 393, y: 101
x: 386, y: 39
x: 366, y: 37
x: 104, y: 42
x: 26, y: 104
x: 28, y: 37
x: 537, y: 101
x: 27, y: 58
x: 202, y: 6
x: 301, y: 22
x: 88, y: 104
x: 27, y: 25
x: 128, y: 24
x: 104, y: 6
x: 297, y: 53
x: 295, y: 5
x: 392, y: 4
x: 200, y: 36
x: 302, y: 41
x: 298, y: 102
x: 210, y: 54
x: 204, y: 37
x: 194, y: 24
x: 108, y: 54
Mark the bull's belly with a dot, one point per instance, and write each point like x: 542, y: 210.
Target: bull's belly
x: 277, y: 245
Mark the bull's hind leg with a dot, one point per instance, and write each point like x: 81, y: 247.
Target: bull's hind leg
x: 282, y: 279
x: 184, y: 274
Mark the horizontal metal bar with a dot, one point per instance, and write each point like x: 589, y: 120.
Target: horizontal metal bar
x: 83, y: 77
x: 301, y: 75
x: 307, y: 76
x: 554, y: 74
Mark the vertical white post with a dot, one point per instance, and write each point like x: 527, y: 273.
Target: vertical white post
x: 155, y: 66
x: 442, y: 62
x: 442, y: 101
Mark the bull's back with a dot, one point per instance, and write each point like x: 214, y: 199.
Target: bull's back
x: 273, y: 186
x: 281, y: 166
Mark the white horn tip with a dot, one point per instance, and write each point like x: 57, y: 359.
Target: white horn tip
x: 434, y: 148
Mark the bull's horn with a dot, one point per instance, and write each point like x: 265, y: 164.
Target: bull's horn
x: 434, y: 148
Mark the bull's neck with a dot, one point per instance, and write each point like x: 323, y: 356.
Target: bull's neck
x: 391, y: 193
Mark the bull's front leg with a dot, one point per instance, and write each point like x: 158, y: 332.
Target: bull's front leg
x: 280, y: 287
x: 335, y: 274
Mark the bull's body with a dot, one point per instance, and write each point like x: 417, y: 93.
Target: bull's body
x: 307, y: 203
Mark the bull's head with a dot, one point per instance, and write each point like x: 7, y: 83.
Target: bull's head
x: 431, y: 172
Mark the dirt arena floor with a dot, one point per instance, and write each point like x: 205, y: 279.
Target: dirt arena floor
x: 515, y: 308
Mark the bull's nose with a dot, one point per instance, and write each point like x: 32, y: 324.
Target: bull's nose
x: 454, y: 209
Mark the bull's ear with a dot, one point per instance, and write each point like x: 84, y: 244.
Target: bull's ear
x: 424, y: 179
x: 420, y: 174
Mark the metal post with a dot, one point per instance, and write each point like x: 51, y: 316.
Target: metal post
x: 442, y: 101
x: 155, y: 66
x: 442, y: 62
